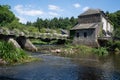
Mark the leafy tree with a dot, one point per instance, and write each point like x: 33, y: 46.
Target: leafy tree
x: 73, y: 21
x: 46, y: 23
x: 29, y: 23
x: 115, y: 18
x: 39, y: 23
x: 6, y: 16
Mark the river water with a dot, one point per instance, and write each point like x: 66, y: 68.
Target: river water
x: 60, y: 68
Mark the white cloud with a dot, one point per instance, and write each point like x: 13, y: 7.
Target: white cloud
x: 54, y: 8
x: 22, y: 19
x: 27, y: 11
x: 53, y: 13
x: 77, y: 5
x: 86, y: 8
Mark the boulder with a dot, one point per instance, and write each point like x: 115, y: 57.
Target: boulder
x: 29, y: 46
x: 2, y: 61
x: 26, y: 43
x: 56, y: 51
x: 14, y: 42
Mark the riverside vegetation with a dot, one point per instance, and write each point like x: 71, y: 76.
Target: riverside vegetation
x: 79, y: 50
x: 11, y: 55
x: 70, y: 50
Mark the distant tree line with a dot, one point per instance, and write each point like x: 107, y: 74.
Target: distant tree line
x: 55, y: 23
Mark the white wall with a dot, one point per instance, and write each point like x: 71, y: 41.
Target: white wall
x: 110, y: 27
x: 107, y: 26
x: 104, y: 21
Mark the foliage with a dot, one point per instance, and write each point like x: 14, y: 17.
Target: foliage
x: 115, y: 19
x: 36, y: 41
x: 14, y: 24
x: 11, y: 54
x: 101, y: 51
x: 113, y: 45
x: 81, y: 50
x: 6, y: 16
x: 75, y: 51
x: 55, y: 23
x: 117, y: 33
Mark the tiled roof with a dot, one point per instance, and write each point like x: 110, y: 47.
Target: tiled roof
x: 91, y: 11
x: 85, y: 26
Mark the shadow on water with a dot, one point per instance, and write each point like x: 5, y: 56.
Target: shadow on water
x: 90, y: 73
x: 8, y: 78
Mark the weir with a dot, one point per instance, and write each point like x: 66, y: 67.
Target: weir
x: 21, y: 40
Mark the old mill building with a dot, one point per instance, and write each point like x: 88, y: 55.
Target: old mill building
x: 93, y: 25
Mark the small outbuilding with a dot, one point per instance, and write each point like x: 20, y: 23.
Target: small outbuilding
x: 93, y: 25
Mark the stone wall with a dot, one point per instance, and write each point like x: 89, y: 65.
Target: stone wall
x: 86, y: 37
x: 85, y: 33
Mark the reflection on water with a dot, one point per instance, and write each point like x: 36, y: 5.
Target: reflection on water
x: 59, y: 68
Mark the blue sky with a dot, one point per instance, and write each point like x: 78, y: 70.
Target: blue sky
x: 30, y: 10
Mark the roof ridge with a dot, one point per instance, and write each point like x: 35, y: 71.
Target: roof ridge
x: 91, y: 11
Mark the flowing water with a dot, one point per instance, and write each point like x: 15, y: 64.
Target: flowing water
x: 60, y: 68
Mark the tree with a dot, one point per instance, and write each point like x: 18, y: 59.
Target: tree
x: 73, y: 21
x: 29, y: 23
x: 6, y: 16
x: 115, y: 18
x: 39, y: 23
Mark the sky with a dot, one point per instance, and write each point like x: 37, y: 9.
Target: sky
x: 30, y: 10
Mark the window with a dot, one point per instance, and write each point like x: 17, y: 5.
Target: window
x: 77, y: 34
x: 85, y: 34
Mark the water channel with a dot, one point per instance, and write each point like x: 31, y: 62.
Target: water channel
x: 60, y: 68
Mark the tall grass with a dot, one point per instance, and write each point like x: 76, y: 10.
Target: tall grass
x: 11, y: 54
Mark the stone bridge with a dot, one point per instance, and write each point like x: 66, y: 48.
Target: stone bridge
x: 21, y: 39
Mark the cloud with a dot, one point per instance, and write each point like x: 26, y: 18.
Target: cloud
x: 28, y: 11
x: 22, y: 19
x: 77, y: 5
x: 86, y: 8
x: 53, y: 13
x: 54, y: 8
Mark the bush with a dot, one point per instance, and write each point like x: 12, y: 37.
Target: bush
x: 117, y: 44
x: 11, y: 54
x: 101, y: 51
x: 113, y: 45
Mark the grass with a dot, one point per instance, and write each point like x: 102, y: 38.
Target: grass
x: 38, y: 41
x: 81, y: 50
x: 12, y: 55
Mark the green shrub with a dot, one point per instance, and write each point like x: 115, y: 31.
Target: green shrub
x: 80, y: 50
x: 11, y: 54
x: 112, y: 45
x: 117, y: 44
x: 101, y: 51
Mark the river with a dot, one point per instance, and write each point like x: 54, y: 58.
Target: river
x: 60, y: 68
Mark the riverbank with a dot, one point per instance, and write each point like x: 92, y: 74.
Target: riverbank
x: 70, y: 50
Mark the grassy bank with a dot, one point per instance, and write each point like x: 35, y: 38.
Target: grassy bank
x: 11, y: 55
x: 79, y: 50
x: 69, y: 50
x: 73, y: 50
